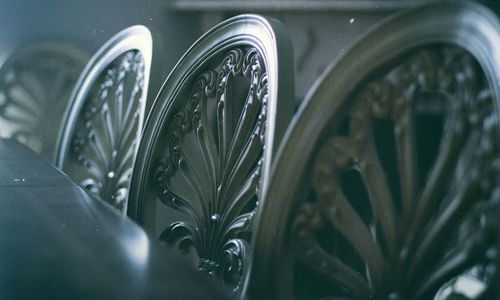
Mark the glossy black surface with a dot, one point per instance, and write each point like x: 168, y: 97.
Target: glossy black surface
x: 57, y: 242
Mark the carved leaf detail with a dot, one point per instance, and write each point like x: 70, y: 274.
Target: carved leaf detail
x: 211, y: 168
x: 407, y: 188
x: 32, y: 103
x: 106, y: 131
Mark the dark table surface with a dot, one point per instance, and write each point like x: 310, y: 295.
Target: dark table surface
x: 57, y: 242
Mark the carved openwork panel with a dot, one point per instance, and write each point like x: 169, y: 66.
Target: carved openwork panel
x: 388, y: 184
x: 32, y: 103
x: 212, y: 164
x: 207, y: 148
x: 404, y: 198
x: 105, y: 135
x: 99, y: 142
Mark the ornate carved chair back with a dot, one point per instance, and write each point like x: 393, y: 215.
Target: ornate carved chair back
x: 103, y: 121
x: 387, y: 185
x: 205, y: 154
x: 31, y: 102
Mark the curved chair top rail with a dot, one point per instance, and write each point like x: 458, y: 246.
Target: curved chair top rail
x: 103, y: 121
x: 208, y: 143
x: 31, y: 110
x: 312, y: 157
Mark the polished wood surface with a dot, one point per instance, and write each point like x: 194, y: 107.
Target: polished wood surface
x: 58, y: 242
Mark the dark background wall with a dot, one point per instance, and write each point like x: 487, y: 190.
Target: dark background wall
x: 320, y: 30
x: 87, y: 24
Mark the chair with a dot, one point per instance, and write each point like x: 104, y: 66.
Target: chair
x: 208, y: 143
x: 103, y: 121
x: 387, y: 184
x: 32, y: 103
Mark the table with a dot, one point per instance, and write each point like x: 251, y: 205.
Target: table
x: 59, y: 242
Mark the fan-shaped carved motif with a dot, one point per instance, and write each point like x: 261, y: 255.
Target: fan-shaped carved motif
x: 105, y: 136
x: 210, y: 169
x: 31, y: 103
x: 404, y: 200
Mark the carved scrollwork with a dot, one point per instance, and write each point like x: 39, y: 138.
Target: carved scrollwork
x: 211, y: 169
x: 104, y: 140
x: 422, y: 139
